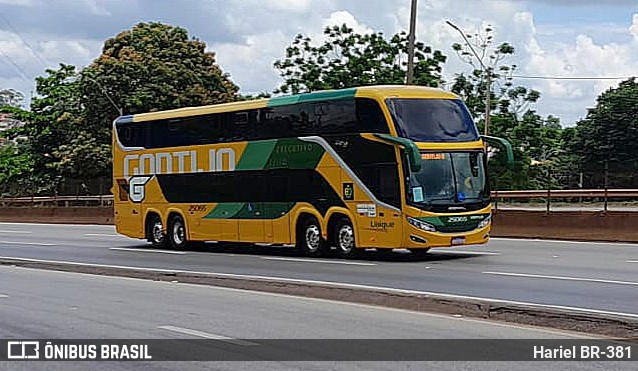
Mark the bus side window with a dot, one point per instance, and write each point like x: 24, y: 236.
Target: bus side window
x: 370, y: 118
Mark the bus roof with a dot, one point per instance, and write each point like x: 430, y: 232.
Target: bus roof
x: 379, y: 92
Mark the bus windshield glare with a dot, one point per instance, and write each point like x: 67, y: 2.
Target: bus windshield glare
x: 432, y: 120
x: 449, y: 178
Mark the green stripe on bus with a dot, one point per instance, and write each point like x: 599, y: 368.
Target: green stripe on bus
x: 289, y: 153
x: 225, y: 210
x: 312, y: 97
x: 294, y: 154
x: 256, y: 155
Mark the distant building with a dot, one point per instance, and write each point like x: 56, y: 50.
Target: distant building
x: 6, y: 123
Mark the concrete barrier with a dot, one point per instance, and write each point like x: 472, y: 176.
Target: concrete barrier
x: 616, y: 226
x: 58, y: 215
x: 569, y: 225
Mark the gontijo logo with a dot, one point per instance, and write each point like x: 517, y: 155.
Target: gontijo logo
x: 178, y: 162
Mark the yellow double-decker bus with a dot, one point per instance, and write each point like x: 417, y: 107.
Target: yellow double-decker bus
x: 370, y: 167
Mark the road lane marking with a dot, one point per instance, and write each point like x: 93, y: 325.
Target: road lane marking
x: 15, y: 231
x: 102, y: 235
x: 206, y: 335
x: 3, y: 296
x: 456, y: 252
x: 315, y: 261
x: 631, y: 261
x: 147, y: 250
x: 531, y: 328
x: 334, y: 284
x: 629, y: 283
x: 27, y: 243
x: 622, y: 244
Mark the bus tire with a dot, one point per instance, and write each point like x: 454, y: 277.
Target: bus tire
x: 155, y: 231
x: 343, y: 239
x: 309, y: 239
x: 419, y: 253
x: 177, y: 232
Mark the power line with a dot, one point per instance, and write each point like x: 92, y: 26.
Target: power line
x: 17, y: 67
x: 571, y: 77
x: 25, y: 42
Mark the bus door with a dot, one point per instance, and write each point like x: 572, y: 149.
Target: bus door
x: 128, y: 215
x: 378, y: 225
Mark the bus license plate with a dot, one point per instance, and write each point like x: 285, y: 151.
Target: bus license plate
x: 458, y: 240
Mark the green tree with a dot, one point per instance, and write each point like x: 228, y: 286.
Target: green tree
x: 473, y: 86
x: 16, y: 161
x: 607, y: 138
x: 45, y: 127
x: 511, y: 110
x: 348, y: 59
x: 151, y: 67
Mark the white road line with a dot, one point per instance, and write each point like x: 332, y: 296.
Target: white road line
x: 631, y: 261
x: 316, y: 261
x: 623, y: 244
x: 337, y: 284
x: 456, y: 252
x: 147, y: 250
x: 206, y: 335
x: 563, y: 278
x: 27, y: 243
x: 3, y: 296
x: 15, y: 232
x: 61, y: 224
x: 102, y: 235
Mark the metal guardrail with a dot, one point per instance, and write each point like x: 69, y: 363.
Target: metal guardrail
x: 567, y: 193
x: 57, y: 201
x: 526, y: 195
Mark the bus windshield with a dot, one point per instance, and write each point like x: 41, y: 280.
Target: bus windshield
x: 432, y: 120
x: 449, y: 178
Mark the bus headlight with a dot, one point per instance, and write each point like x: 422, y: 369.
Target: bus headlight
x: 421, y: 224
x: 484, y: 222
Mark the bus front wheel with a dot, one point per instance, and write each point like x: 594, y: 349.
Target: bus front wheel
x: 420, y: 253
x: 309, y: 239
x: 177, y: 233
x: 155, y: 231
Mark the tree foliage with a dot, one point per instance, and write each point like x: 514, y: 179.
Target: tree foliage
x: 511, y: 110
x: 479, y: 51
x: 151, y: 67
x: 607, y: 137
x: 148, y: 68
x: 346, y: 59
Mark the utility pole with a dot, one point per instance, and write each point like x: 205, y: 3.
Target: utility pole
x: 486, y: 71
x: 411, y: 37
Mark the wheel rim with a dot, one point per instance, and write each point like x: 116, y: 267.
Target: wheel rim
x: 158, y: 232
x: 179, y: 233
x: 313, y: 237
x: 346, y: 238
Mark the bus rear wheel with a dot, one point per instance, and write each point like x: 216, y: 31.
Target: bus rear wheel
x: 309, y: 239
x: 177, y: 233
x: 343, y: 238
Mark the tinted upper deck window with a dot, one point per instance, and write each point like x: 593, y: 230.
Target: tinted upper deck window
x: 432, y: 120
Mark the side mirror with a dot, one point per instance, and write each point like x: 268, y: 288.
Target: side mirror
x: 501, y: 143
x: 411, y: 150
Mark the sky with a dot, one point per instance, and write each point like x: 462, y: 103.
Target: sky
x: 553, y: 38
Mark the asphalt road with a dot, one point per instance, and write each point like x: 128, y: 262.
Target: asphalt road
x: 38, y: 304
x: 600, y: 276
